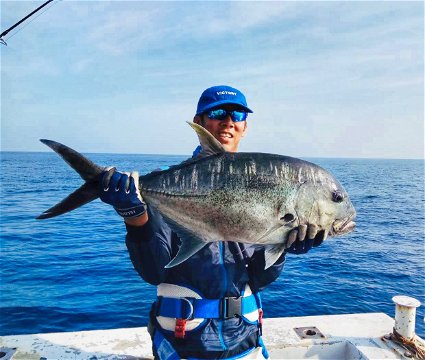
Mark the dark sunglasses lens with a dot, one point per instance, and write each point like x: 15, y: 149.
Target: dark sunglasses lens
x: 218, y: 114
x: 221, y: 114
x: 239, y: 116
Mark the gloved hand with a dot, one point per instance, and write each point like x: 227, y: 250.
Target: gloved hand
x: 121, y: 190
x: 302, y: 239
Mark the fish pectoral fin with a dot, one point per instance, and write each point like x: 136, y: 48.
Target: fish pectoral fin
x: 189, y: 246
x: 268, y: 232
x: 272, y: 253
x: 210, y: 145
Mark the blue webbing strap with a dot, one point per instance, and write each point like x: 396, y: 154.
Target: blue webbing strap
x: 260, y: 338
x: 164, y: 349
x: 187, y: 308
x: 263, y: 347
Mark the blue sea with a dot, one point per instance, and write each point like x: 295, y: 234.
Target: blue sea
x: 73, y: 272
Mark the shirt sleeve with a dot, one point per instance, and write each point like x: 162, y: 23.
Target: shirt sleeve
x: 150, y: 248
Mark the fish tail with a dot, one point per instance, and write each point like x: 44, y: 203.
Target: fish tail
x: 86, y: 169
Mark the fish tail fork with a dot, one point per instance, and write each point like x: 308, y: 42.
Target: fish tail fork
x: 86, y: 169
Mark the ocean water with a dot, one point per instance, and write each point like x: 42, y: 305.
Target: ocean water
x: 73, y: 272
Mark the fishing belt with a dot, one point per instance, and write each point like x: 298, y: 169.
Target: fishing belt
x: 180, y: 309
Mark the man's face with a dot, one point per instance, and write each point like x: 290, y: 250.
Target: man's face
x: 226, y: 131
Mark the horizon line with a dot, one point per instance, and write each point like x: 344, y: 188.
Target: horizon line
x: 189, y: 156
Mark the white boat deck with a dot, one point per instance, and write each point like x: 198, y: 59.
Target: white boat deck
x: 352, y: 336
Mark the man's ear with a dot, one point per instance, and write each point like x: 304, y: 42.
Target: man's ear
x: 245, y: 129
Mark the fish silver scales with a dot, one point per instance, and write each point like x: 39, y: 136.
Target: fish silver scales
x: 239, y: 196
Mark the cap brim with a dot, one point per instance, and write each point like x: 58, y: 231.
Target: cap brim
x: 222, y: 102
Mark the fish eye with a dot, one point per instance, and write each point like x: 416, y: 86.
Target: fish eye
x: 337, y: 196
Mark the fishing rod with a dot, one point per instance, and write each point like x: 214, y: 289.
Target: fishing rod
x: 21, y: 21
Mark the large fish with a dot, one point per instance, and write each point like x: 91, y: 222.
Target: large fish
x: 252, y: 198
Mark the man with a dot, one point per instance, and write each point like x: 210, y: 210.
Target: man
x: 209, y: 306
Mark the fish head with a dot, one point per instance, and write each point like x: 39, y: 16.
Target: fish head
x: 325, y: 203
x: 344, y: 213
x: 319, y: 200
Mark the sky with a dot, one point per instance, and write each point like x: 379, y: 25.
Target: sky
x: 325, y: 79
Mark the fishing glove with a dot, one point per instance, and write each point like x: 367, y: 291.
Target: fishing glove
x: 299, y: 245
x: 121, y: 190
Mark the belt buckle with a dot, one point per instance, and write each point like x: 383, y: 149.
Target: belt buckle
x: 191, y: 309
x: 231, y: 307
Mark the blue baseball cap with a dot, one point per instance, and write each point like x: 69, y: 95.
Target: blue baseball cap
x: 219, y: 95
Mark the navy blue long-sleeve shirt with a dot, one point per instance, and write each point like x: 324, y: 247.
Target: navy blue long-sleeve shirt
x: 220, y: 269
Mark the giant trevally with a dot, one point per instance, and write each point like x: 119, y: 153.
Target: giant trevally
x: 253, y: 198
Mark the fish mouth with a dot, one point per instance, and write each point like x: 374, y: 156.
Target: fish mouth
x: 340, y: 227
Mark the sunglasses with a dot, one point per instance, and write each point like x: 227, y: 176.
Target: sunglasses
x: 221, y: 114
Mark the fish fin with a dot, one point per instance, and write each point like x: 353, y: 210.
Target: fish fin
x: 83, y: 195
x: 210, y: 145
x: 83, y: 166
x: 189, y: 246
x: 268, y: 232
x: 272, y: 253
x: 86, y: 169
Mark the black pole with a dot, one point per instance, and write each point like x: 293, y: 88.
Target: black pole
x: 22, y: 20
